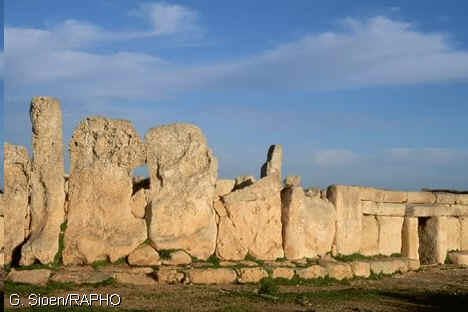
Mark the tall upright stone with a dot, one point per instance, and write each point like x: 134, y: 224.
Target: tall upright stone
x: 47, y: 181
x: 348, y: 218
x: 410, y: 239
x: 183, y: 175
x: 100, y: 223
x: 16, y: 197
x: 274, y: 162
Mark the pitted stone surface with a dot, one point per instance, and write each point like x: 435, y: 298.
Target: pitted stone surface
x: 183, y: 175
x: 47, y: 182
x: 274, y: 163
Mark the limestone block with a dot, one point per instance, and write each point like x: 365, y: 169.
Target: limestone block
x: 413, y: 265
x: 460, y: 258
x: 395, y: 197
x: 463, y: 233
x: 360, y: 268
x: 219, y: 208
x: 15, y: 198
x: 183, y: 175
x: 446, y: 198
x: 421, y: 198
x: 348, y: 218
x: 138, y: 204
x: 292, y: 181
x: 47, y: 182
x: 35, y: 277
x: 462, y: 199
x: 169, y: 275
x: 339, y: 271
x: 410, y: 239
x: 285, y: 273
x: 134, y: 279
x: 433, y: 240
x: 383, y: 267
x: 243, y: 181
x: 79, y: 275
x: 312, y: 272
x: 308, y: 224
x: 212, y: 276
x: 253, y: 222
x: 383, y: 209
x: 453, y: 234
x: 369, y: 236
x: 274, y: 161
x: 437, y: 210
x: 251, y: 275
x: 144, y: 255
x: 371, y: 194
x: 178, y: 257
x: 390, y: 234
x: 224, y: 187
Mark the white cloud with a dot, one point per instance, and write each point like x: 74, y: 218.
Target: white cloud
x: 333, y: 157
x: 168, y: 19
x: 423, y: 156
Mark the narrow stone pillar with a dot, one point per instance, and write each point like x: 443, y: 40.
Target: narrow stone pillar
x: 464, y: 233
x: 433, y: 240
x: 47, y: 181
x: 410, y: 239
x: 274, y: 162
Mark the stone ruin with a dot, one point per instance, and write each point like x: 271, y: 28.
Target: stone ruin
x: 253, y: 229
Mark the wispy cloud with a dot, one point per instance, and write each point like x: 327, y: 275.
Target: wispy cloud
x: 334, y: 157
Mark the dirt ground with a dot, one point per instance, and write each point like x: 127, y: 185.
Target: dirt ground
x: 436, y: 288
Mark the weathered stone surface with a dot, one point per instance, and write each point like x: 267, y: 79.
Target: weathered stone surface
x: 395, y: 197
x: 274, y: 162
x: 432, y: 240
x: 371, y: 194
x: 243, y: 181
x: 212, y: 276
x: 224, y: 187
x: 219, y: 208
x: 460, y: 258
x: 348, y: 218
x: 292, y: 181
x: 308, y: 224
x: 15, y: 199
x: 138, y: 204
x: 253, y: 222
x: 413, y: 265
x: 100, y: 223
x: 339, y: 271
x: 463, y: 233
x: 134, y: 279
x: 80, y: 275
x: 421, y: 198
x: 183, y: 175
x: 462, y: 199
x: 383, y: 209
x: 401, y: 265
x: 251, y: 275
x: 383, y: 267
x: 35, y: 277
x: 178, y: 257
x: 313, y: 192
x: 410, y: 239
x: 169, y: 275
x: 47, y: 182
x: 125, y: 268
x: 285, y: 273
x: 437, y: 210
x: 144, y: 255
x: 453, y: 234
x: 445, y: 198
x: 390, y: 234
x: 314, y: 271
x: 360, y: 268
x: 369, y: 236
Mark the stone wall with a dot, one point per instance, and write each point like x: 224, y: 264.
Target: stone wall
x: 100, y: 212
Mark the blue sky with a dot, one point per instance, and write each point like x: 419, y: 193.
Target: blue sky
x: 357, y: 92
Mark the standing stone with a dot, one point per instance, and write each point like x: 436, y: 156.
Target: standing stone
x: 183, y: 175
x: 369, y: 236
x: 453, y: 234
x: 390, y: 235
x: 291, y: 181
x: 464, y: 233
x: 274, y: 161
x: 100, y: 223
x: 433, y: 240
x: 15, y: 199
x: 348, y: 218
x: 308, y: 224
x: 224, y: 187
x: 410, y: 239
x: 253, y: 222
x: 47, y: 181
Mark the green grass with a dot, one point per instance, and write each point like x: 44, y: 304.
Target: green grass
x: 69, y: 309
x: 165, y: 254
x: 359, y: 257
x: 214, y: 260
x: 249, y: 257
x: 100, y: 263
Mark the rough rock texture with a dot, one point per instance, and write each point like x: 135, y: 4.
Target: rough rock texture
x: 169, y: 275
x: 308, y: 224
x: 369, y: 236
x: 183, y: 175
x: 360, y: 268
x: 383, y: 209
x: 35, y: 277
x: 348, y: 218
x: 138, y: 203
x: 134, y: 279
x: 463, y: 233
x: 243, y: 181
x: 389, y: 235
x: 274, y: 162
x: 212, y: 276
x: 251, y: 275
x: 253, y: 222
x: 292, y: 181
x: 453, y: 234
x: 421, y: 198
x: 460, y: 258
x: 47, y: 182
x: 79, y: 275
x: 339, y: 271
x: 100, y: 221
x: 178, y: 257
x: 395, y: 197
x: 314, y: 271
x: 144, y: 255
x: 371, y: 194
x: 432, y: 240
x: 224, y: 187
x: 285, y: 273
x: 15, y: 199
x: 410, y: 239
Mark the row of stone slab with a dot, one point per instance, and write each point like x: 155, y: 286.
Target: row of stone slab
x: 206, y: 273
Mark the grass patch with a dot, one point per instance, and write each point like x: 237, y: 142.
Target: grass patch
x: 58, y: 256
x: 268, y: 286
x: 69, y: 309
x: 214, y: 260
x: 27, y: 289
x: 100, y: 263
x: 249, y: 257
x: 354, y: 257
x: 165, y: 254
